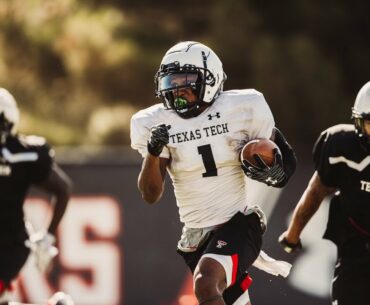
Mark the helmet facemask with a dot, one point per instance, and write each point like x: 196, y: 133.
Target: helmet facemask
x: 359, y: 122
x: 361, y: 113
x: 172, y: 78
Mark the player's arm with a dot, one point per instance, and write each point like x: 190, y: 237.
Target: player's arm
x: 59, y: 186
x: 306, y: 207
x: 153, y: 171
x: 151, y: 178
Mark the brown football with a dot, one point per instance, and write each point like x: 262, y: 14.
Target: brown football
x: 262, y: 147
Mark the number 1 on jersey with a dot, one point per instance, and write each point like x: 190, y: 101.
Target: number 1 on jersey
x: 208, y: 160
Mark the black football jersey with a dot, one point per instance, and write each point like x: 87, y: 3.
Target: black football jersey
x: 342, y: 162
x: 24, y: 161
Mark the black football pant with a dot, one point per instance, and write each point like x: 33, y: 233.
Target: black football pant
x: 12, y: 258
x: 351, y: 284
x: 243, y: 234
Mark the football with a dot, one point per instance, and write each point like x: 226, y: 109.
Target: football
x: 262, y: 147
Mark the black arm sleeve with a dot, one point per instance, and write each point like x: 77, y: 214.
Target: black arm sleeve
x: 41, y: 169
x: 288, y: 156
x: 321, y: 153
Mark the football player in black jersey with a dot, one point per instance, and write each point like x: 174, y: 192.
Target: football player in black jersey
x: 25, y: 161
x: 342, y: 160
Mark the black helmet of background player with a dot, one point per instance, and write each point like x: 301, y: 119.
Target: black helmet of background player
x: 9, y: 115
x: 189, y: 65
x: 361, y: 114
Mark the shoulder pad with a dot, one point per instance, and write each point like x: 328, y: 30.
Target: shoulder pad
x: 340, y: 128
x: 36, y: 143
x: 32, y: 140
x: 149, y: 112
x: 241, y: 93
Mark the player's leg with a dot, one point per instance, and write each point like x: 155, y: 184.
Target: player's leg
x: 209, y: 282
x: 237, y: 294
x: 351, y: 283
x: 6, y: 291
x: 230, y: 251
x: 352, y: 273
x: 13, y: 256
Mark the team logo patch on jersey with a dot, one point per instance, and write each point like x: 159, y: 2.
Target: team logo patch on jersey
x: 217, y: 115
x: 221, y: 243
x: 271, y: 181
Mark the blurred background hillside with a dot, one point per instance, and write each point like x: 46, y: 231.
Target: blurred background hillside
x: 80, y: 68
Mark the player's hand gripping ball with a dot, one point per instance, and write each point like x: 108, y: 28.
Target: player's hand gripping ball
x: 258, y: 151
x: 262, y: 161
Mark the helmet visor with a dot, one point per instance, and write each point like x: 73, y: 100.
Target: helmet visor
x: 177, y: 81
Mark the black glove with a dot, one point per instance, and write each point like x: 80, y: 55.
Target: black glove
x: 159, y: 137
x: 288, y: 155
x: 272, y: 176
x: 288, y: 247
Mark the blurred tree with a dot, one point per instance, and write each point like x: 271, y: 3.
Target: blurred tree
x: 73, y: 64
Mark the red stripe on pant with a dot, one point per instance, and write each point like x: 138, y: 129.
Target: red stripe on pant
x: 245, y: 284
x: 235, y: 261
x: 2, y: 287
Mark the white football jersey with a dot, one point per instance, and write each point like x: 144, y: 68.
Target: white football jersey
x: 205, y: 169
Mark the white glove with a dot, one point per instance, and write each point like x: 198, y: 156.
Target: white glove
x: 272, y: 266
x: 42, y: 246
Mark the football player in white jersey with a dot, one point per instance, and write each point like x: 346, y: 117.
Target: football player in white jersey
x: 196, y: 135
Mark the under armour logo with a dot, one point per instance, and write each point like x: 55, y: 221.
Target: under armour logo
x: 221, y: 243
x: 217, y: 115
x: 271, y: 181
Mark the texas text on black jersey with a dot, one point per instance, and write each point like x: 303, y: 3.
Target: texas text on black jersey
x: 342, y: 162
x: 24, y: 160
